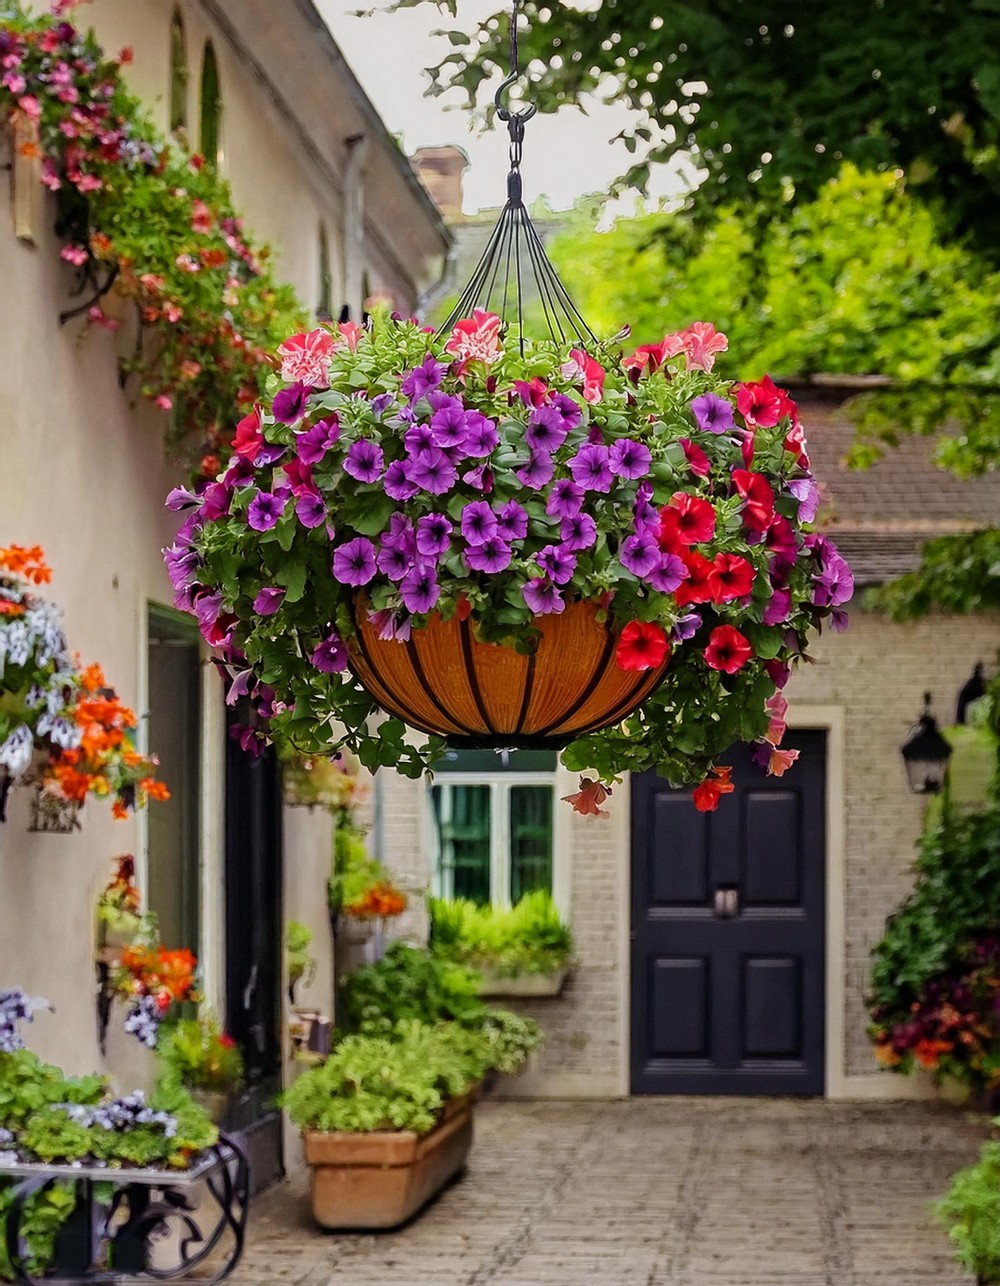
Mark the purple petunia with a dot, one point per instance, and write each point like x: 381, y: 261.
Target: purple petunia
x: 647, y: 517
x: 215, y: 501
x: 181, y: 498
x: 354, y: 563
x: 712, y: 414
x: 289, y: 405
x: 686, y: 627
x: 537, y: 473
x: 640, y: 554
x: 423, y: 378
x: 493, y: 555
x: 417, y: 438
x: 565, y: 499
x: 265, y: 510
x: 433, y: 535
x: 542, y: 596
x: 401, y: 534
x: 833, y: 585
x: 419, y: 589
x: 806, y: 492
x: 568, y: 409
x: 481, y: 435
x: 479, y: 522
x: 578, y: 532
x: 512, y: 521
x: 481, y: 478
x: 671, y: 571
x: 629, y: 459
x: 432, y: 471
x: 591, y: 468
x: 268, y: 600
x: 779, y: 607
x: 557, y: 563
x: 545, y: 431
x: 310, y: 509
x: 393, y: 561
x: 331, y: 655
x: 396, y: 484
x: 313, y: 445
x: 365, y: 461
x: 448, y: 425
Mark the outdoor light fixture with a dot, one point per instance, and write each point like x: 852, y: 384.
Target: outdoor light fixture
x: 925, y: 754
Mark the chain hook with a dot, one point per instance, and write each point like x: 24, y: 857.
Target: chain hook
x: 504, y: 113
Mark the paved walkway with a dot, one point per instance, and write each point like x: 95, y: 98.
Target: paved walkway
x: 657, y: 1192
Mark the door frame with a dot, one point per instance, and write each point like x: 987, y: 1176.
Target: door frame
x: 824, y: 718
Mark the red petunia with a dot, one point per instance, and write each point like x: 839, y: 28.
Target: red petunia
x: 727, y: 649
x: 731, y: 577
x: 697, y: 587
x: 687, y: 520
x: 763, y: 404
x: 706, y: 796
x: 249, y: 438
x: 758, y: 497
x: 642, y: 645
x: 698, y: 461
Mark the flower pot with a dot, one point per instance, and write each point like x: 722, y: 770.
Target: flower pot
x: 444, y: 681
x: 380, y: 1180
x: 523, y: 984
x: 212, y: 1103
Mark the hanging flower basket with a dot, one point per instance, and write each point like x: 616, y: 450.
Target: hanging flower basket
x: 509, y: 544
x: 53, y: 812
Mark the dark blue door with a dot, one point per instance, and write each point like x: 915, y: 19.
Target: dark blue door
x: 728, y: 932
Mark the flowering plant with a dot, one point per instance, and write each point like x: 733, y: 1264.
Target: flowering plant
x: 360, y: 885
x: 406, y: 476
x: 151, y: 978
x: 199, y: 1055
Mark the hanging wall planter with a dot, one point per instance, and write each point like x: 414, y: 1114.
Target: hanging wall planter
x: 53, y: 813
x: 513, y: 541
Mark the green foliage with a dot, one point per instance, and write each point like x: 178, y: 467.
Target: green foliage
x: 527, y: 938
x: 300, y: 960
x: 398, y: 1081
x: 197, y: 1054
x: 359, y: 884
x: 971, y: 1212
x: 27, y: 1085
x: 410, y: 983
x: 956, y: 574
x: 44, y: 1214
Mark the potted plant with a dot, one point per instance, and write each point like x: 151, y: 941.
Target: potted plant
x: 311, y: 781
x: 202, y: 1058
x: 497, y: 540
x: 523, y: 950
x: 361, y: 892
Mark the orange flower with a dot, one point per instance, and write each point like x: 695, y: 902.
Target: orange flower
x: 706, y: 796
x: 26, y: 562
x: 589, y: 798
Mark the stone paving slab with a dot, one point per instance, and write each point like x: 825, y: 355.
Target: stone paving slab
x: 656, y: 1192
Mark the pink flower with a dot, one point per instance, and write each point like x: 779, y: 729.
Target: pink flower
x: 589, y: 798
x: 305, y: 359
x: 583, y: 367
x: 98, y: 317
x: 187, y: 264
x: 701, y: 342
x: 777, y: 708
x: 163, y: 402
x: 780, y: 762
x: 350, y: 332
x: 76, y: 255
x: 201, y: 217
x: 30, y: 106
x: 476, y: 338
x: 173, y: 312
x: 89, y: 183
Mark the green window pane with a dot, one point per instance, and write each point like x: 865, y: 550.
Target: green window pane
x: 462, y: 819
x: 530, y: 840
x: 211, y: 106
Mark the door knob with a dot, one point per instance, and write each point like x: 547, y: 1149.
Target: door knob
x: 727, y: 902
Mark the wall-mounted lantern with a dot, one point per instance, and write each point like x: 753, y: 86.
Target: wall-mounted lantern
x: 925, y: 753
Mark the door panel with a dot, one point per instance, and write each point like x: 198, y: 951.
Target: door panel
x: 728, y: 932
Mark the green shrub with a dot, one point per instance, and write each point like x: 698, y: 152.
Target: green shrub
x: 971, y: 1212
x: 197, y: 1054
x: 527, y: 938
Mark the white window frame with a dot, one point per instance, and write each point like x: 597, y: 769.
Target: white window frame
x: 500, y: 784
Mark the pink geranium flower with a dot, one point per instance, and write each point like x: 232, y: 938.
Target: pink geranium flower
x: 582, y: 366
x: 305, y: 359
x: 476, y: 338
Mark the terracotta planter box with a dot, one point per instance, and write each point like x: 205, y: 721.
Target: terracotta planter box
x: 380, y: 1180
x: 524, y: 984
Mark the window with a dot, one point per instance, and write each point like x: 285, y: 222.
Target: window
x: 493, y: 825
x: 211, y: 107
x: 178, y: 74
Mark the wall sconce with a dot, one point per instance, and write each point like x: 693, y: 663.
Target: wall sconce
x: 925, y: 753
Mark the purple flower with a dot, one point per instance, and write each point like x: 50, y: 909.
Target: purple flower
x: 579, y: 531
x: 833, y: 585
x: 365, y: 461
x: 806, y: 492
x: 479, y: 522
x: 712, y: 414
x: 686, y: 628
x: 215, y: 501
x: 557, y: 563
x: 448, y: 429
x: 265, y: 510
x: 393, y: 561
x: 646, y: 516
x: 182, y: 563
x: 778, y: 607
x: 207, y: 608
x: 432, y: 471
x: 420, y: 590
x: 640, y: 554
x: 565, y: 499
x: 310, y: 509
x: 354, y: 563
x: 433, y: 535
x: 396, y: 484
x: 268, y: 600
x: 493, y: 555
x: 401, y: 534
x: 289, y: 405
x: 629, y: 459
x: 542, y: 596
x: 428, y: 375
x: 538, y: 472
x: 389, y: 625
x: 481, y: 437
x: 591, y: 468
x: 181, y: 498
x: 240, y: 686
x: 545, y: 431
x: 671, y: 571
x: 417, y: 438
x: 481, y: 478
x: 512, y: 521
x: 331, y: 655
x: 568, y: 410
x: 380, y: 404
x: 838, y: 621
x: 760, y: 754
x: 313, y: 445
x: 269, y: 452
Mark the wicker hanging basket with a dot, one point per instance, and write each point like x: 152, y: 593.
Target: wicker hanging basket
x: 53, y: 813
x: 482, y: 695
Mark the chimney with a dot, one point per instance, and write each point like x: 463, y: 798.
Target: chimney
x: 440, y: 170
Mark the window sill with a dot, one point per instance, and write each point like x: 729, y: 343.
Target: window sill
x: 524, y: 984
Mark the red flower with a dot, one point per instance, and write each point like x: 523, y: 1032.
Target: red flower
x: 589, y: 798
x: 731, y: 577
x: 759, y: 497
x: 687, y: 520
x: 249, y: 438
x: 698, y: 461
x: 763, y: 404
x: 727, y: 649
x: 706, y: 796
x: 643, y: 645
x: 696, y: 588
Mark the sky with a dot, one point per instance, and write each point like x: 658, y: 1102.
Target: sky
x: 565, y: 155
